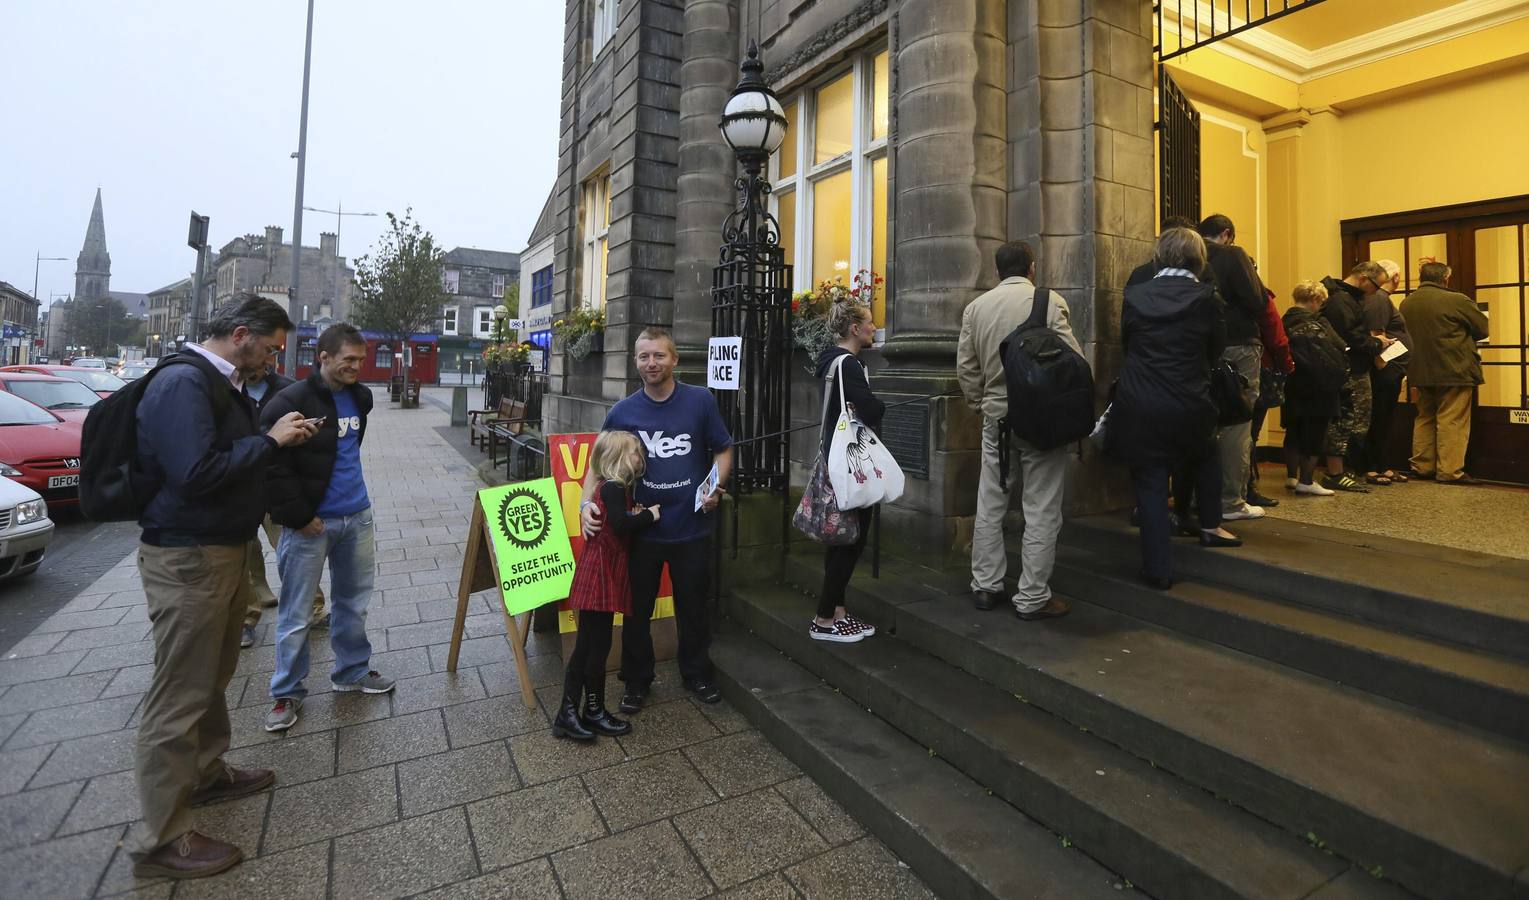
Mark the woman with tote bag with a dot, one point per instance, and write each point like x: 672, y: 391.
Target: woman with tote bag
x: 845, y: 378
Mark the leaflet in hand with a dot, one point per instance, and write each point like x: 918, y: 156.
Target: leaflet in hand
x: 708, y: 486
x: 1393, y: 351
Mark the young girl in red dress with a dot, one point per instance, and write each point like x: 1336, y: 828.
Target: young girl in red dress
x: 602, y: 588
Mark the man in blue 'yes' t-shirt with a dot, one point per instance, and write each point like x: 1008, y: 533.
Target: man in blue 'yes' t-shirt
x: 319, y: 498
x: 682, y: 431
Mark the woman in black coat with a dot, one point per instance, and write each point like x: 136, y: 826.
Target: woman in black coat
x: 1163, y: 420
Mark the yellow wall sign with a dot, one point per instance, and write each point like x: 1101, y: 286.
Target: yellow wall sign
x: 531, y: 549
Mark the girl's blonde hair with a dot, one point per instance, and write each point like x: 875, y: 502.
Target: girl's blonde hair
x: 612, y: 457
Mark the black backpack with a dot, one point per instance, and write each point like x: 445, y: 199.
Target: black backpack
x: 112, y: 487
x: 1051, y: 387
x: 1317, y: 362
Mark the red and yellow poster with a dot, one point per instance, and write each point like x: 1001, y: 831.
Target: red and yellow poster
x: 570, y: 464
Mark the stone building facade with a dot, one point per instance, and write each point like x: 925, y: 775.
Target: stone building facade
x: 262, y: 264
x: 18, y: 311
x: 924, y: 133
x: 475, y: 281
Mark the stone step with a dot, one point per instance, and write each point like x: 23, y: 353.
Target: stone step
x: 1475, y: 687
x: 964, y: 842
x: 1473, y: 599
x: 1170, y: 838
x: 1435, y: 805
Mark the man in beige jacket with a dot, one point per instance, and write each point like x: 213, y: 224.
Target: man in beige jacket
x: 986, y: 321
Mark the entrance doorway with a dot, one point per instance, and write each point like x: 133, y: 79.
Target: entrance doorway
x: 1486, y: 245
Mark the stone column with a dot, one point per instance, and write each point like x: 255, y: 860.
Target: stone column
x: 1082, y: 186
x: 951, y: 156
x: 708, y: 73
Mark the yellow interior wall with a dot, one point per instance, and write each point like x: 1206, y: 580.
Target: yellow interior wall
x: 1232, y: 162
x: 1457, y: 143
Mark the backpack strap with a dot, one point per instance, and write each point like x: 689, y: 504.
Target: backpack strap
x: 221, y: 400
x: 1040, y: 309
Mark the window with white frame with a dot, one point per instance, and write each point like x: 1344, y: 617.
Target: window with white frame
x: 483, y: 321
x: 606, y: 13
x: 830, y: 177
x: 596, y: 206
x: 450, y: 280
x: 449, y: 321
x: 497, y: 288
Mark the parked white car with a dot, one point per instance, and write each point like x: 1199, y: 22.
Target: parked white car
x: 25, y: 529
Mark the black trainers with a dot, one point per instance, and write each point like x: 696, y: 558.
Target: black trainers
x: 704, y: 690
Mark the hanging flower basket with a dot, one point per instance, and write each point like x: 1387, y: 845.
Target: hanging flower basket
x: 581, y: 332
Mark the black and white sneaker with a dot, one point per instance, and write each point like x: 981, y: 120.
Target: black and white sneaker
x: 840, y: 632
x: 866, y: 628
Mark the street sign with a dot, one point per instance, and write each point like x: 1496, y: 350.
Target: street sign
x: 196, y: 234
x: 723, y: 357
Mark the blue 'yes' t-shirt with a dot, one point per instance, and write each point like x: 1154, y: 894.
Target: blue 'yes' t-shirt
x: 680, y: 436
x: 346, y: 494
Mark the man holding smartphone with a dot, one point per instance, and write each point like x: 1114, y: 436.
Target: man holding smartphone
x: 319, y: 498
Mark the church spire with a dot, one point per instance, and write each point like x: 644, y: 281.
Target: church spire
x: 92, y: 270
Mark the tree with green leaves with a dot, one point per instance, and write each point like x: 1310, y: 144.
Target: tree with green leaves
x: 102, y: 325
x: 398, y: 282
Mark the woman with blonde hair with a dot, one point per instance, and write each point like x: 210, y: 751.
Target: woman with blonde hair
x: 849, y: 321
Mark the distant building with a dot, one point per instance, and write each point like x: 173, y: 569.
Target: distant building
x: 475, y: 282
x: 262, y: 264
x: 536, y: 282
x: 19, y: 311
x: 167, y: 310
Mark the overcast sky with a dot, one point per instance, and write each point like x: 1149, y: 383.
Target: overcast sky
x: 449, y: 106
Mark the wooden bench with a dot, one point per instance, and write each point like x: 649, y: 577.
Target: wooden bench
x: 411, y: 395
x: 480, y: 420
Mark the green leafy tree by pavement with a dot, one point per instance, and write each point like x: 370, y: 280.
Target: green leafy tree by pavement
x: 398, y: 281
x: 102, y: 325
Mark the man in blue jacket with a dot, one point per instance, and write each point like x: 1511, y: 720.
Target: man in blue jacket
x: 198, y: 440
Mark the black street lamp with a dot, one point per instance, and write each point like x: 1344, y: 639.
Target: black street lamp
x: 751, y: 295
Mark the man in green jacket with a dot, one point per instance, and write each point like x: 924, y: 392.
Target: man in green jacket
x: 1445, y: 369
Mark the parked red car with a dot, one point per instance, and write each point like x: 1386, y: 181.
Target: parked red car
x: 40, y: 450
x: 98, y: 380
x: 64, y: 397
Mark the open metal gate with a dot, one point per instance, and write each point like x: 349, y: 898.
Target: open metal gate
x: 1178, y: 151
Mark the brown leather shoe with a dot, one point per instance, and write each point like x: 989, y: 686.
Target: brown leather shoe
x: 191, y: 855
x: 233, y: 783
x: 1053, y: 608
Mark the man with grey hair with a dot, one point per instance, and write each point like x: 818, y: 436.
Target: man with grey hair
x: 198, y: 443
x: 1382, y: 317
x: 1345, y: 312
x: 1446, y: 367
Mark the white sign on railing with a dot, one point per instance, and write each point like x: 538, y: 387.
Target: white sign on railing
x: 724, y: 356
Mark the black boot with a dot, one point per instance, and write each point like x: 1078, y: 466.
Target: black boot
x: 568, y: 724
x: 598, y: 719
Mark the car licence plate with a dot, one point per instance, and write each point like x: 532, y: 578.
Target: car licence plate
x: 59, y: 481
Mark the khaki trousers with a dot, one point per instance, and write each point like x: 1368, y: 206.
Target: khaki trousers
x: 1043, y: 474
x: 262, y: 596
x: 1442, y: 431
x: 196, y: 599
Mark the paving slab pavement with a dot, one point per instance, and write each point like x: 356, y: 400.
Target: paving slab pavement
x: 449, y: 787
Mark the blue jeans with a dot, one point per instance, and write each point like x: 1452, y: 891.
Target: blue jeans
x: 348, y: 544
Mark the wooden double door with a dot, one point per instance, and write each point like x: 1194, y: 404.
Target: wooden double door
x: 1486, y: 244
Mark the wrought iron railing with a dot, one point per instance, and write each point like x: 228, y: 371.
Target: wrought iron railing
x: 1185, y: 25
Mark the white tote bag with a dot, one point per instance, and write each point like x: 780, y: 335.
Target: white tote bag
x: 861, y: 470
